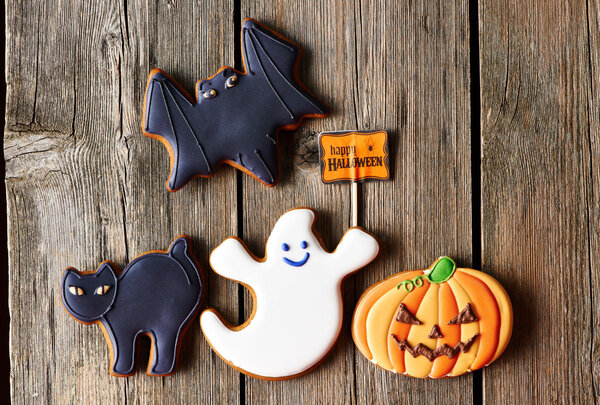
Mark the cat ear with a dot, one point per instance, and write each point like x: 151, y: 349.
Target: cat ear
x: 179, y: 247
x: 71, y: 272
x: 70, y: 276
x: 106, y: 271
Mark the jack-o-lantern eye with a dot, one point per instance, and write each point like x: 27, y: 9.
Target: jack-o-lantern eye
x: 102, y: 290
x: 76, y: 290
x: 467, y: 315
x: 405, y: 316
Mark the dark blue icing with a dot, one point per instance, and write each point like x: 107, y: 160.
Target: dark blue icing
x: 285, y: 247
x: 298, y: 263
x: 156, y: 294
x: 236, y: 115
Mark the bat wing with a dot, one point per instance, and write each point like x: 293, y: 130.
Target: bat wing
x: 234, y: 123
x: 169, y: 117
x: 273, y: 58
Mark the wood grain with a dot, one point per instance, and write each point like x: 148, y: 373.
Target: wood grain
x: 300, y: 185
x: 84, y: 185
x: 417, y: 87
x: 539, y: 119
x: 386, y: 65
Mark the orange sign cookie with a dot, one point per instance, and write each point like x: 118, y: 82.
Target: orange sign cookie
x: 440, y: 322
x: 353, y: 156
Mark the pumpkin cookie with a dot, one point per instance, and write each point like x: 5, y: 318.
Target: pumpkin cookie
x: 440, y: 322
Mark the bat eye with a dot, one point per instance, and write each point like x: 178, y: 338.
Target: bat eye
x: 232, y: 81
x: 76, y: 290
x: 212, y: 93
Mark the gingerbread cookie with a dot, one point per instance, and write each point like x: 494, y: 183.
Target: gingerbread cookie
x: 236, y: 116
x: 440, y: 322
x: 157, y: 294
x: 297, y: 314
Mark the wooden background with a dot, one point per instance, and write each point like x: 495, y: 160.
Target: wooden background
x: 493, y: 109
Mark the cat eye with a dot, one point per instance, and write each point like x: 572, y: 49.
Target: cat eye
x: 232, y: 81
x: 467, y: 315
x: 102, y: 290
x: 76, y: 290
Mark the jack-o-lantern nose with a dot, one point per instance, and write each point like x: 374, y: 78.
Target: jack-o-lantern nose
x: 435, y: 332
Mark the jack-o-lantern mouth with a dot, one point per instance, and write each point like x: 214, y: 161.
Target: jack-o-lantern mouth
x: 432, y: 354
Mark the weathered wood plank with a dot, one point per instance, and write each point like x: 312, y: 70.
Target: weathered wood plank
x: 413, y: 79
x: 190, y: 41
x: 323, y: 45
x: 84, y: 185
x: 379, y: 65
x: 539, y: 207
x: 61, y: 205
x: 590, y: 154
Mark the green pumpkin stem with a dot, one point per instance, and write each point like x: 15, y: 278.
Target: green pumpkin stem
x: 440, y: 272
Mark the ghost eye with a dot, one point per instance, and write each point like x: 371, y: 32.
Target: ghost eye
x: 304, y: 244
x: 232, y: 81
x: 285, y: 247
x: 467, y: 315
x: 76, y: 290
x: 102, y: 290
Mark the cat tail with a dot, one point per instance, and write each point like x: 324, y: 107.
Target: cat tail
x: 181, y: 253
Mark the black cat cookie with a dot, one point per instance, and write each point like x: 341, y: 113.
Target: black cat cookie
x: 157, y: 294
x: 236, y: 116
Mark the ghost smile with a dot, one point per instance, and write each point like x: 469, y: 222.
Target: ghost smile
x: 298, y: 263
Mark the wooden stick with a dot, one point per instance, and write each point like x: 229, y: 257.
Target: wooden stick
x: 354, y: 203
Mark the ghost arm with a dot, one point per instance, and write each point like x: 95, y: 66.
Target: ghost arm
x: 356, y: 249
x: 231, y: 260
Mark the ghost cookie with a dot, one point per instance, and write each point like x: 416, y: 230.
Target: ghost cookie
x: 297, y: 312
x: 440, y: 322
x: 157, y: 295
x: 235, y: 116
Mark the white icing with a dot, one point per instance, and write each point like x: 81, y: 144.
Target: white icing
x: 298, y: 309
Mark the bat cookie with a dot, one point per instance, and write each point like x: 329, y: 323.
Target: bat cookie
x: 235, y: 116
x: 440, y: 322
x: 297, y: 314
x: 157, y: 294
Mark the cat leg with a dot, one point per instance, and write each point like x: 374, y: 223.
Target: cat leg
x: 165, y: 352
x: 123, y: 353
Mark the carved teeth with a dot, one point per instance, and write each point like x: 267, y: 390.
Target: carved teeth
x: 422, y: 350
